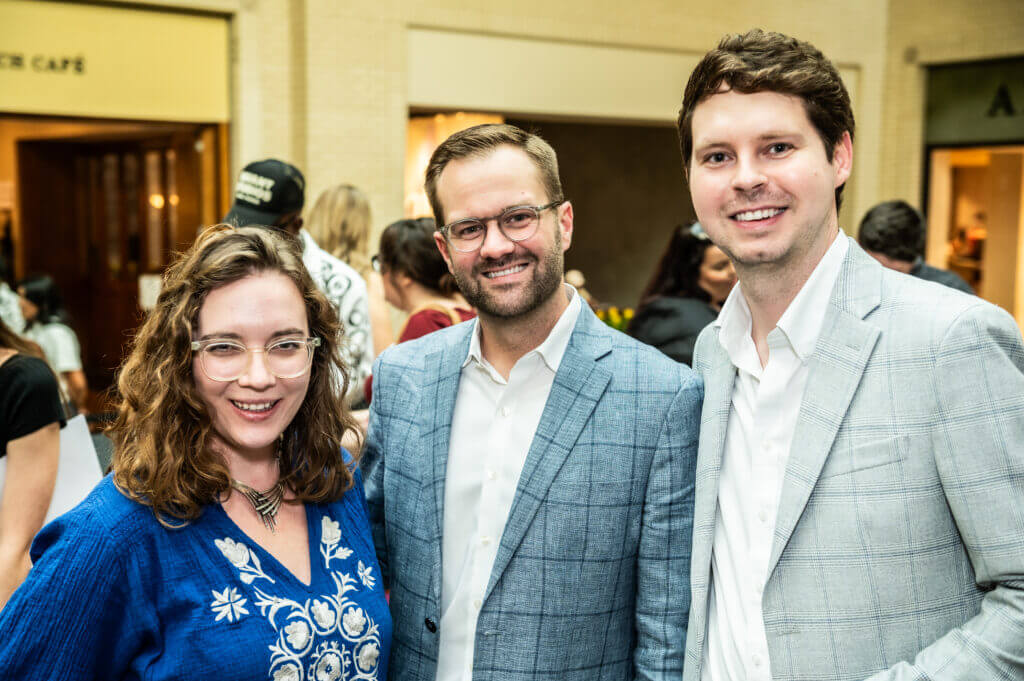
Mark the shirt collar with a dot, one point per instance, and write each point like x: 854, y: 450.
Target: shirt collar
x: 801, y: 322
x: 552, y: 349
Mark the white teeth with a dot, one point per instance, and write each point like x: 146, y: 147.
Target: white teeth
x: 253, y: 406
x: 504, y: 272
x: 758, y: 214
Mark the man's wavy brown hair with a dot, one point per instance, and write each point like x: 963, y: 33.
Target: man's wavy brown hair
x: 162, y: 455
x: 763, y: 61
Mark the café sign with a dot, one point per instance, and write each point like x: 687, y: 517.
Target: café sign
x: 102, y: 61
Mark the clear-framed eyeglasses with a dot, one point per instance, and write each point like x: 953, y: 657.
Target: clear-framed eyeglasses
x: 226, y: 360
x: 517, y: 223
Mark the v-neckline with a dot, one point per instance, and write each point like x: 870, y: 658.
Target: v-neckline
x: 312, y: 546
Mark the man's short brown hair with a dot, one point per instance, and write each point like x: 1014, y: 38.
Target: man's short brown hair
x: 479, y: 141
x: 760, y: 61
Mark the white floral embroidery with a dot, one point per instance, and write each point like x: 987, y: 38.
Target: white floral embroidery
x: 323, y: 614
x: 366, y: 658
x: 288, y: 672
x: 307, y: 647
x: 353, y: 621
x: 228, y: 603
x: 330, y: 664
x: 366, y: 575
x: 330, y: 532
x: 241, y: 556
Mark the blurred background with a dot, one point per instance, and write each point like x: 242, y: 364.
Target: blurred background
x: 124, y: 124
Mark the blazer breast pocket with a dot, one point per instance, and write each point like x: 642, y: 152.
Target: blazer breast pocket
x: 847, y: 460
x: 591, y: 520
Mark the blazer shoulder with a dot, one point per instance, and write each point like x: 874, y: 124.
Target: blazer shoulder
x: 630, y: 356
x: 921, y: 305
x: 410, y: 354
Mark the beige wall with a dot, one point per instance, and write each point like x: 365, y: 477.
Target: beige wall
x: 325, y: 83
x: 923, y: 32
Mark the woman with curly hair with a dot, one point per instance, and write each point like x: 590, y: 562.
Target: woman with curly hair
x: 231, y: 539
x: 692, y: 280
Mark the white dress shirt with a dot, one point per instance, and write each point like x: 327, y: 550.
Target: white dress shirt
x: 765, y: 405
x: 492, y: 428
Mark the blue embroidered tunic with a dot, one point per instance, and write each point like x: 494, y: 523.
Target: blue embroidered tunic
x: 115, y: 595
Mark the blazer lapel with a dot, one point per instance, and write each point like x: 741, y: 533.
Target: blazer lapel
x: 575, y: 392
x: 836, y: 368
x: 442, y: 370
x: 719, y: 375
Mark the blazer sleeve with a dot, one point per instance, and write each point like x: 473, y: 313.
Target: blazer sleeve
x: 978, y: 442
x: 371, y: 464
x: 663, y: 563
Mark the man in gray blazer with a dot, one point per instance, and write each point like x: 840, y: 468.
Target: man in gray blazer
x: 529, y: 474
x: 860, y: 477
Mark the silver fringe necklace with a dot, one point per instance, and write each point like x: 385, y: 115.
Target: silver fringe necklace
x: 265, y: 503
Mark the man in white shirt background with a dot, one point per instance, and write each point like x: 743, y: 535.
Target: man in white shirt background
x: 529, y: 474
x: 859, y: 511
x: 272, y: 193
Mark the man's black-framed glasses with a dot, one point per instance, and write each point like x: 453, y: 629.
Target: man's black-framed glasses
x: 517, y: 223
x: 224, y: 359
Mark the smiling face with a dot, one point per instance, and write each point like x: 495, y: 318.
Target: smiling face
x: 762, y: 184
x: 505, y: 279
x: 251, y: 412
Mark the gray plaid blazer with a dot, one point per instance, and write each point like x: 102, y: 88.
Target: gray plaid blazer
x: 591, y: 579
x: 899, y: 548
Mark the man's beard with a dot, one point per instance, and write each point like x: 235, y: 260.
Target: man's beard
x: 546, y: 280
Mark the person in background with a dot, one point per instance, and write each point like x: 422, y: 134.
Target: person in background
x: 231, y: 540
x: 271, y: 193
x: 47, y: 324
x: 31, y: 416
x: 893, y: 233
x: 10, y: 303
x: 685, y: 294
x: 416, y: 281
x: 340, y: 223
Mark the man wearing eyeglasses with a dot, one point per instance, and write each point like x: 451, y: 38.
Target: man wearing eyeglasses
x: 529, y: 474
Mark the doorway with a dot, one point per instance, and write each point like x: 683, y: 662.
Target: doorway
x: 976, y: 222
x: 102, y: 213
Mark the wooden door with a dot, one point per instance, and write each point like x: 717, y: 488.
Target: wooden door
x: 98, y: 215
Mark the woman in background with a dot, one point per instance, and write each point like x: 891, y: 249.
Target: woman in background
x: 31, y: 416
x: 231, y: 541
x: 47, y: 323
x: 692, y: 280
x: 340, y: 224
x: 416, y: 281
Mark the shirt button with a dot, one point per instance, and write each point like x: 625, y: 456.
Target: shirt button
x: 478, y: 604
x: 756, y: 659
x: 485, y: 540
x: 762, y: 515
x: 505, y: 411
x: 491, y: 475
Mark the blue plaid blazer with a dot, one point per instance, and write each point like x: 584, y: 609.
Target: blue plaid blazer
x: 591, y: 579
x: 899, y: 546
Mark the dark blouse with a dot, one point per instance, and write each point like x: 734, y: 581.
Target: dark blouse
x: 29, y: 398
x: 672, y: 325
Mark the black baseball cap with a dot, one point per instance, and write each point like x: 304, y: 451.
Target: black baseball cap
x: 266, y: 191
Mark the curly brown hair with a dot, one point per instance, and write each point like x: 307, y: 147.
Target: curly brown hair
x: 162, y: 456
x: 761, y: 61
